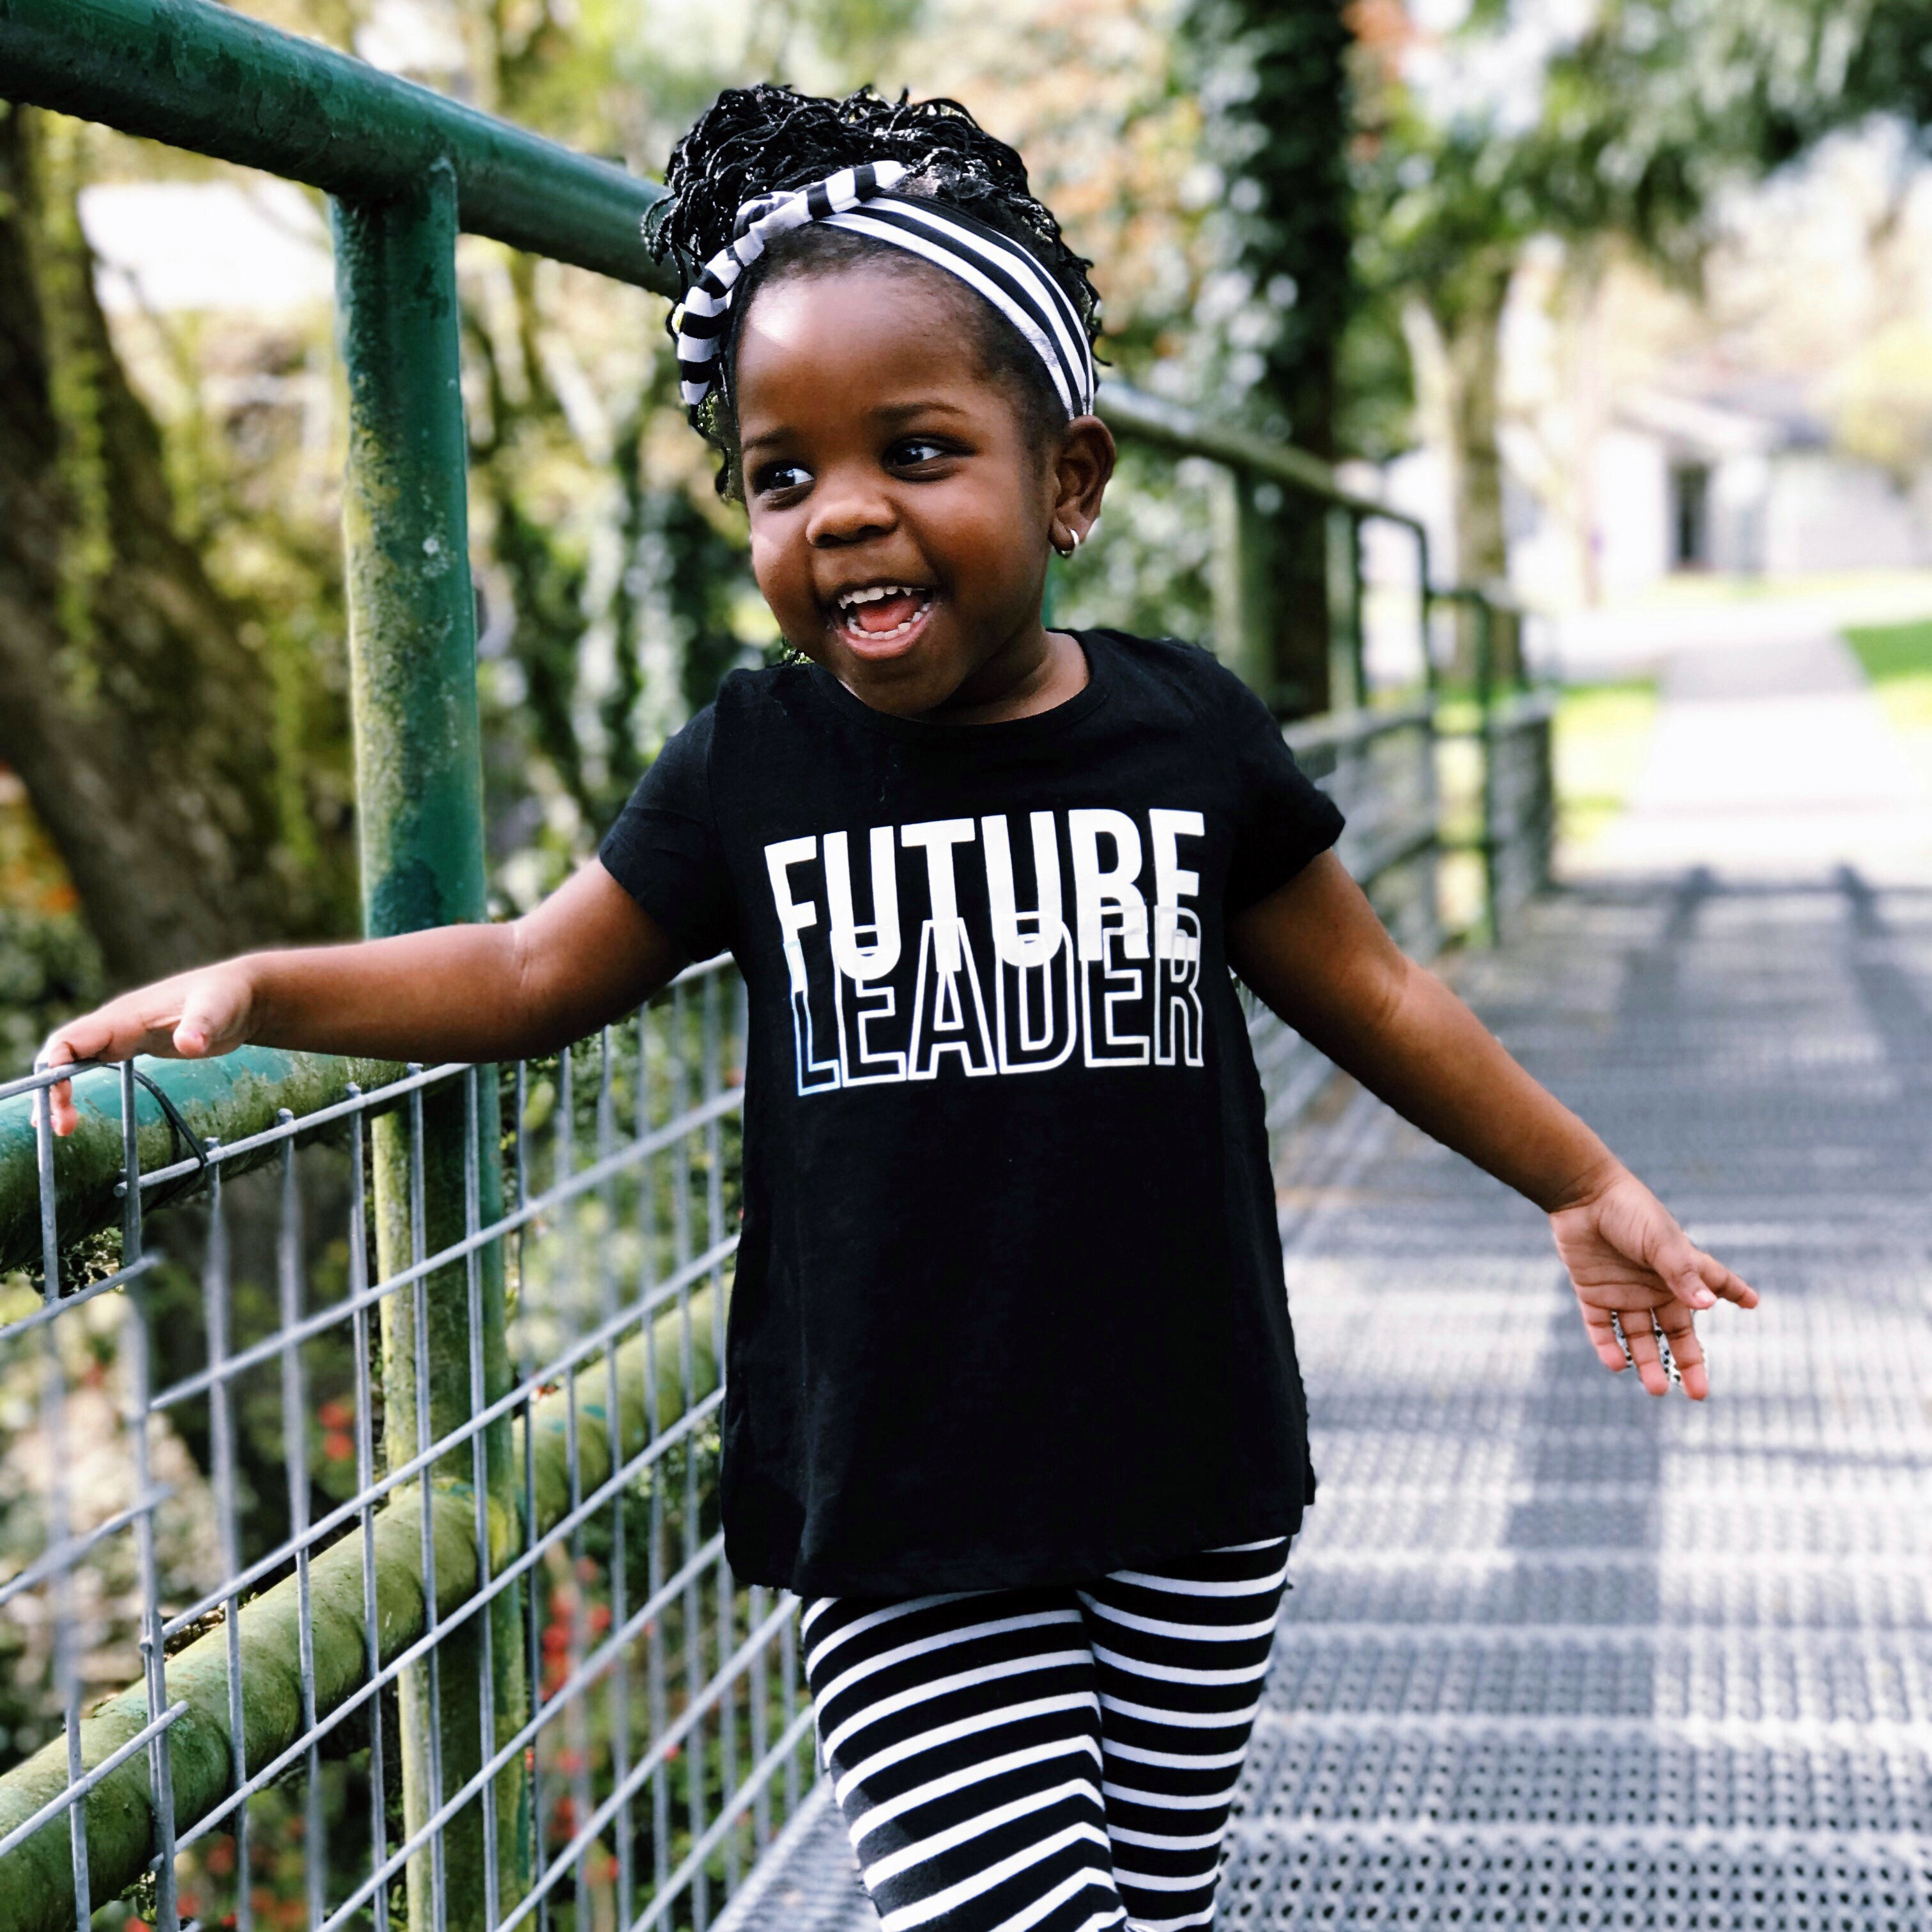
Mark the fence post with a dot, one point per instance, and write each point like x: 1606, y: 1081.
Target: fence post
x: 1242, y: 586
x: 418, y: 773
x: 1478, y: 619
x: 1347, y: 619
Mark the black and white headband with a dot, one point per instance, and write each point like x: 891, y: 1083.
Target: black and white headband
x: 859, y: 200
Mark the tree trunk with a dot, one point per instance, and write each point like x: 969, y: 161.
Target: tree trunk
x: 1281, y: 128
x: 1467, y: 319
x: 1473, y: 364
x: 134, y: 704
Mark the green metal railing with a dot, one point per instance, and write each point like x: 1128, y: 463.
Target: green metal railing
x: 463, y: 1431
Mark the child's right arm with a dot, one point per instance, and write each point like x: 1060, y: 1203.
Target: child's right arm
x: 588, y: 953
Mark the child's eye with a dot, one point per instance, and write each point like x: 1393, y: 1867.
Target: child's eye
x: 775, y: 479
x: 913, y: 452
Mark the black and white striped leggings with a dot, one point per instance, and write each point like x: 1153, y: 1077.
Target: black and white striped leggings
x: 1046, y: 1760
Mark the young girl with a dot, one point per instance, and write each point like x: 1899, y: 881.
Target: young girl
x: 1012, y: 1398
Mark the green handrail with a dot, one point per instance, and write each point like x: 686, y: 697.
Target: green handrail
x: 227, y: 1099
x: 207, y: 79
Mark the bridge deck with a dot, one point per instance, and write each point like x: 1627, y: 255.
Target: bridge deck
x: 1557, y: 1654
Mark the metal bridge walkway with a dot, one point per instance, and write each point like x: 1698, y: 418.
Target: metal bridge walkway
x: 1557, y: 1654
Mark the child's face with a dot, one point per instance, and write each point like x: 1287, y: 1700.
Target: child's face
x: 877, y: 454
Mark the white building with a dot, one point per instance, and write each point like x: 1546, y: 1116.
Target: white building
x: 1747, y: 484
x: 1742, y: 483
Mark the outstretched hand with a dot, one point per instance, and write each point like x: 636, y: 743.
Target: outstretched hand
x: 1632, y: 1265
x: 191, y: 1017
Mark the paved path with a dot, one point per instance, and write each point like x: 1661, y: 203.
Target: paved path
x: 1557, y: 1655
x: 1773, y: 760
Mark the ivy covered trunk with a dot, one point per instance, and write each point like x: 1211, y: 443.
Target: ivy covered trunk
x: 137, y: 704
x: 1275, y: 93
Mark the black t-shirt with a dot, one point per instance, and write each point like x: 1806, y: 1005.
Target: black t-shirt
x: 1008, y: 1307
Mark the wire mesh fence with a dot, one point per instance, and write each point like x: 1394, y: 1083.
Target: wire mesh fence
x: 1379, y: 765
x: 361, y: 1666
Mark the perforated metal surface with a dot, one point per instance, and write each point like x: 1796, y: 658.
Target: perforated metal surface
x: 1557, y: 1655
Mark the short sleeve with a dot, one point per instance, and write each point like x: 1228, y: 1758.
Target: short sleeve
x: 1281, y: 819
x: 665, y: 850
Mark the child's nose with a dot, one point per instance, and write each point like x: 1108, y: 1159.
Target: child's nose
x: 848, y: 510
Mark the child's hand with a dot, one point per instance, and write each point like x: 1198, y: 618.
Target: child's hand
x: 1628, y: 1257
x: 192, y: 1016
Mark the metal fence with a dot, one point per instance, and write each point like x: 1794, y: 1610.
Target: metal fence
x: 535, y: 1598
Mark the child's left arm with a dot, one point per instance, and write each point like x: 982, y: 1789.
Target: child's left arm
x: 1317, y: 954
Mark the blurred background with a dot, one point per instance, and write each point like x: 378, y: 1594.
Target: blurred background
x: 1628, y: 303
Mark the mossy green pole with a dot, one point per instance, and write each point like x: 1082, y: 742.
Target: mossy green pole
x: 419, y: 799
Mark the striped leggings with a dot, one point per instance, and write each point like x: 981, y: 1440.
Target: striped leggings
x: 1055, y: 1760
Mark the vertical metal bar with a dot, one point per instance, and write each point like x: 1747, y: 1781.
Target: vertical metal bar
x: 422, y: 1715
x: 1425, y: 602
x: 140, y: 1377
x: 532, y: 1822
x: 221, y: 1428
x: 761, y: 1805
x: 53, y: 1432
x: 698, y: 1752
x: 712, y: 1082
x: 619, y: 1695
x: 656, y: 1689
x: 1348, y: 685
x: 295, y: 1456
x: 420, y: 817
x: 1430, y: 773
x: 479, y: 1476
x: 1242, y: 591
x: 788, y: 1707
x: 1493, y: 832
x: 576, y: 1726
x: 365, y: 1477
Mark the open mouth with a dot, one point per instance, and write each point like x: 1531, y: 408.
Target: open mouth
x: 883, y: 614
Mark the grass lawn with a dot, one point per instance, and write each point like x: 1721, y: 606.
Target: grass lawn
x: 1603, y: 735
x: 1897, y: 658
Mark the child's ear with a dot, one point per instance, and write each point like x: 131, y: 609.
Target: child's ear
x: 1082, y: 467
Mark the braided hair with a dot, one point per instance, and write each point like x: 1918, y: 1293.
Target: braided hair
x: 767, y: 140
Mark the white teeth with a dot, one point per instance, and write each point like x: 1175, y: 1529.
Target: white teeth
x: 850, y: 600
x: 850, y: 597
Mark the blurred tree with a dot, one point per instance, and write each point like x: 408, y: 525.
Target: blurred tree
x: 1823, y: 64
x: 1274, y: 79
x: 189, y: 783
x: 1891, y: 71
x: 1622, y: 134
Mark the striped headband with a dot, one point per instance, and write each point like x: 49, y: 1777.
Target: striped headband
x: 858, y: 200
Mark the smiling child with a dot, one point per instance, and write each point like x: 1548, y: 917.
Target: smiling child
x: 1011, y: 1398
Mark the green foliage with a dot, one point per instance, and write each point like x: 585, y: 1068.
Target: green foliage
x: 1276, y: 105
x: 1890, y: 72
